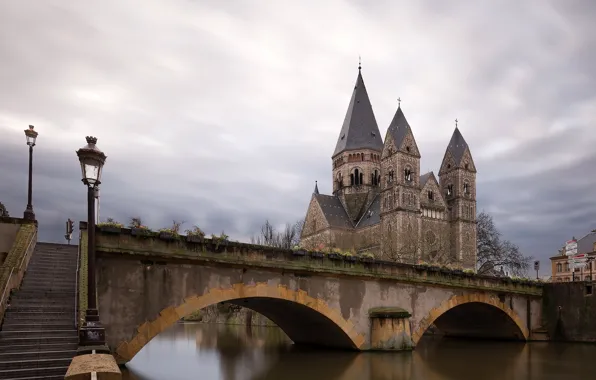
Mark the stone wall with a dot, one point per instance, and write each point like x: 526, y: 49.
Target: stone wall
x: 569, y: 311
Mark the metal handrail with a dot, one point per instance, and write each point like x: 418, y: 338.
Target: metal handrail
x: 76, y: 292
x: 20, y: 267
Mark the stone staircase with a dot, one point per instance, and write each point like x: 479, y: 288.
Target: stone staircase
x: 39, y: 337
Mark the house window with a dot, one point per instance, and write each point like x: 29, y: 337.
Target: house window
x: 559, y: 267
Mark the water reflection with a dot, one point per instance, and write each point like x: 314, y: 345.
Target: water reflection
x: 213, y: 352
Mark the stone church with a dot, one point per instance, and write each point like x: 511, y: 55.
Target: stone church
x: 382, y: 204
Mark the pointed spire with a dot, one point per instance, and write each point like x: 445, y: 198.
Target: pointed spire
x: 316, y: 188
x: 457, y: 145
x: 399, y: 125
x: 360, y: 129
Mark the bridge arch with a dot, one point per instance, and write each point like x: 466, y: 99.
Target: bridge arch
x: 467, y: 308
x: 294, y: 311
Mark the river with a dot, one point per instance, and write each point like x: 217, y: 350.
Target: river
x: 230, y: 352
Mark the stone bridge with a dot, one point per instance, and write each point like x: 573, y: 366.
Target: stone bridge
x: 146, y: 284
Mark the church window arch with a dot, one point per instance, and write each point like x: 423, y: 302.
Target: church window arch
x: 408, y: 174
x: 449, y: 191
x: 390, y: 176
x: 466, y: 188
x: 356, y: 177
x: 431, y: 195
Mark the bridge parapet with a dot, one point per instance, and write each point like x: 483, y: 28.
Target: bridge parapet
x: 154, y: 250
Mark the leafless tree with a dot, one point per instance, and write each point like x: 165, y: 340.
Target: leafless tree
x: 3, y: 210
x: 135, y: 222
x: 494, y: 252
x: 287, y: 238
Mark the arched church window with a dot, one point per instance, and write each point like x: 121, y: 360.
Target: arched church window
x: 431, y: 195
x: 559, y: 268
x: 356, y: 177
x: 466, y: 188
x: 449, y: 190
x: 390, y: 177
x: 408, y: 174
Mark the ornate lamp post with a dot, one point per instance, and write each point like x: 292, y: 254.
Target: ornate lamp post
x: 31, y: 137
x: 91, y: 334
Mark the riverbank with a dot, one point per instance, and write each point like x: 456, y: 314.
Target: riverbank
x: 226, y: 313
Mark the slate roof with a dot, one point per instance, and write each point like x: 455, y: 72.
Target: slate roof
x: 586, y: 244
x: 334, y: 211
x: 457, y: 146
x: 360, y: 129
x: 425, y: 177
x: 372, y: 215
x: 399, y: 127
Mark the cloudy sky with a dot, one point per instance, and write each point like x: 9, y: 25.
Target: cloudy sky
x: 223, y: 114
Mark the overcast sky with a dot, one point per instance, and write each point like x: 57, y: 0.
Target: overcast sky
x: 224, y: 113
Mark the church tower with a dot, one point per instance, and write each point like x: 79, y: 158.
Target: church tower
x: 457, y: 178
x: 357, y: 156
x: 400, y: 192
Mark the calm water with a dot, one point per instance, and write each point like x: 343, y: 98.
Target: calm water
x: 213, y: 352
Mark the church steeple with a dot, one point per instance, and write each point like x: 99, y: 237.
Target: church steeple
x: 316, y: 191
x: 359, y: 129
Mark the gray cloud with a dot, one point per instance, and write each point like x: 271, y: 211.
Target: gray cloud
x: 225, y: 114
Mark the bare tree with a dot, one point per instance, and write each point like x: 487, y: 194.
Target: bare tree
x: 135, y: 222
x: 494, y: 252
x: 3, y: 210
x: 287, y: 238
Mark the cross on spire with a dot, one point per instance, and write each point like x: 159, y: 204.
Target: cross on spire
x: 455, y: 123
x: 359, y: 62
x: 398, y: 102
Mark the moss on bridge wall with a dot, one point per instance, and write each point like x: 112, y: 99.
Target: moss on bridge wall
x: 153, y: 249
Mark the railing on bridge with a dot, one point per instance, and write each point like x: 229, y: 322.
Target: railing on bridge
x: 15, y: 276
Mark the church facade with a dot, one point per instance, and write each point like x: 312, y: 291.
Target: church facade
x: 381, y: 202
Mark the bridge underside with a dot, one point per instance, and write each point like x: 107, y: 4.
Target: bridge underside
x: 479, y: 321
x: 303, y: 325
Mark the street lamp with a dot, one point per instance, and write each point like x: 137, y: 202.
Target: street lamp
x: 31, y: 136
x: 91, y: 334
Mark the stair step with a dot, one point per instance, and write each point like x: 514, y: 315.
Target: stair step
x: 19, y: 325
x: 43, y: 309
x: 49, y: 288
x: 11, y: 341
x: 18, y: 355
x: 41, y: 295
x: 10, y: 313
x: 35, y: 363
x: 38, y: 348
x: 42, y: 333
x: 25, y: 302
x: 29, y: 373
x: 41, y: 377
